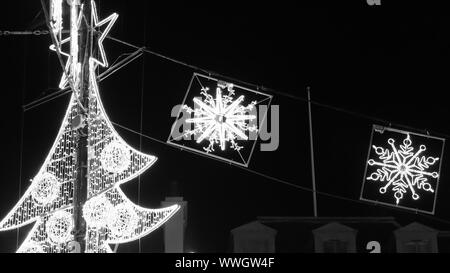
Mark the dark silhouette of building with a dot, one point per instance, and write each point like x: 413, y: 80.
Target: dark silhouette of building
x: 337, y: 235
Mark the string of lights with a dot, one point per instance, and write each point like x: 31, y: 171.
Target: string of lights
x: 25, y: 32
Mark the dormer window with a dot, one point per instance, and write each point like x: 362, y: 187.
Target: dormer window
x: 335, y: 238
x: 418, y: 246
x: 335, y: 246
x: 253, y: 238
x: 416, y: 238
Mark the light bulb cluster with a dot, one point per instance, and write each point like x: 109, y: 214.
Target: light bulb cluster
x: 124, y: 221
x: 59, y: 227
x: 52, y: 233
x: 98, y: 211
x: 115, y: 157
x: 45, y: 189
x: 33, y: 248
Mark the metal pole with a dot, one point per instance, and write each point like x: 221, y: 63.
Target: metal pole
x: 312, y: 153
x: 80, y: 187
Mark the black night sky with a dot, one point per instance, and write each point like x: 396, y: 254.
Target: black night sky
x: 380, y: 61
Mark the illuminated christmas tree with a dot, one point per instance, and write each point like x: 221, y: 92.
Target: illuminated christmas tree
x: 70, y: 216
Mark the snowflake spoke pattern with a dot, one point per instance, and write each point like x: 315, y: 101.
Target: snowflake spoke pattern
x: 221, y: 119
x: 403, y: 169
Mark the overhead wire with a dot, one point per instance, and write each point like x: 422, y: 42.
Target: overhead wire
x: 270, y: 90
x: 282, y: 181
x: 102, y: 76
x: 338, y: 109
x: 284, y: 94
x: 141, y: 118
x: 259, y: 87
x: 22, y: 126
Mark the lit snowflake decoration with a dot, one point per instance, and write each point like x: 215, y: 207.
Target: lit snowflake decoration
x: 59, y: 227
x: 115, y: 157
x: 46, y: 189
x: 221, y: 119
x: 403, y: 170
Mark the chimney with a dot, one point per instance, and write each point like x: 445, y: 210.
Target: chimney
x: 174, y: 229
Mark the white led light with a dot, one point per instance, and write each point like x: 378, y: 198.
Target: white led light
x: 110, y: 20
x: 115, y: 157
x: 402, y: 169
x: 110, y: 216
x: 33, y: 247
x: 124, y: 221
x: 56, y: 20
x: 221, y: 119
x: 113, y: 162
x: 97, y: 211
x: 75, y: 21
x: 73, y: 67
x: 59, y: 227
x: 104, y: 248
x: 101, y: 133
x: 60, y: 163
x: 46, y: 188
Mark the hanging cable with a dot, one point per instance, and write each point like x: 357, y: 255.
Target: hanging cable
x: 273, y: 91
x: 342, y: 110
x: 113, y: 69
x: 142, y: 110
x: 338, y: 109
x: 22, y: 125
x: 284, y: 182
x: 284, y: 94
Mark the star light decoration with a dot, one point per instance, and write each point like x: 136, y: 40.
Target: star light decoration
x: 403, y: 170
x: 111, y: 218
x: 221, y: 119
x: 103, y: 61
x: 110, y: 20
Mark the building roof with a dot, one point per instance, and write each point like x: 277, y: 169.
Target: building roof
x: 416, y: 227
x: 334, y: 227
x: 252, y: 227
x: 321, y: 220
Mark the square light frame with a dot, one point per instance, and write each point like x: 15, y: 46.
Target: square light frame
x: 245, y: 161
x: 378, y: 129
